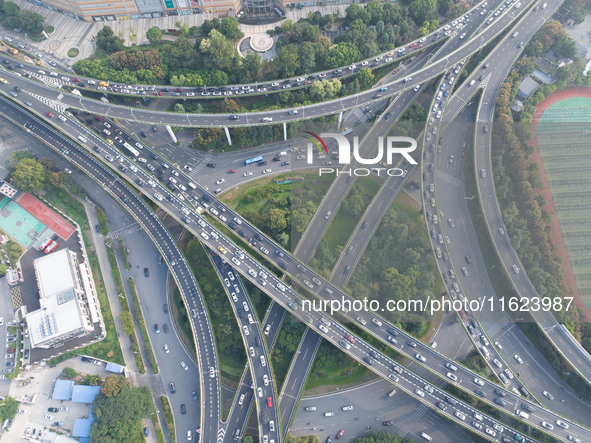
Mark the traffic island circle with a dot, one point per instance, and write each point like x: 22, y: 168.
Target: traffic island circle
x: 261, y: 42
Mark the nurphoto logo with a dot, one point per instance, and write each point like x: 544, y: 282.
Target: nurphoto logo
x: 384, y: 156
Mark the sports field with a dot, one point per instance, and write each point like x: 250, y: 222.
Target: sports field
x: 563, y: 136
x: 18, y: 223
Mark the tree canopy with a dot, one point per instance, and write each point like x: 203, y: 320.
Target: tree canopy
x: 118, y: 414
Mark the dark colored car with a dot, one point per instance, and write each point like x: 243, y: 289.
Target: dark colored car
x: 53, y: 409
x: 194, y: 395
x: 97, y: 228
x: 183, y: 409
x: 172, y: 388
x: 165, y: 307
x: 165, y: 328
x: 146, y: 272
x: 211, y: 165
x: 146, y: 432
x: 388, y: 423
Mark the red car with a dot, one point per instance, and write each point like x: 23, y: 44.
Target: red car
x: 49, y: 114
x: 412, y: 45
x: 157, y: 93
x: 178, y: 90
x: 231, y: 171
x: 10, y: 350
x: 463, y: 152
x: 98, y: 118
x: 340, y: 434
x: 350, y: 338
x: 269, y: 402
x: 76, y: 79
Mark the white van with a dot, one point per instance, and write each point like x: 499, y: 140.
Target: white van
x: 328, y: 414
x: 82, y: 139
x: 192, y: 185
x: 426, y: 436
x: 267, y: 119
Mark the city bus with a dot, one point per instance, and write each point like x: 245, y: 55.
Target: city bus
x: 252, y: 160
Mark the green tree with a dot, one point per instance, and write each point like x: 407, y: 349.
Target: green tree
x: 251, y: 65
x: 69, y: 373
x: 154, y: 34
x: 178, y: 107
x: 307, y: 57
x: 342, y: 54
x: 391, y: 13
x: 275, y: 220
x: 113, y: 385
x: 108, y: 41
x: 91, y: 380
x: 29, y: 175
x: 127, y: 322
x: 218, y: 51
x: 118, y: 417
x: 2, y: 269
x: 286, y: 62
x: 8, y: 408
x: 31, y: 22
x: 421, y: 10
x: 231, y: 28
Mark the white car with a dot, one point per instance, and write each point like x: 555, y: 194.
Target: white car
x: 478, y: 381
x: 48, y: 417
x: 266, y: 171
x: 518, y: 358
x: 452, y: 376
x: 220, y: 181
x: 266, y: 379
x: 234, y: 297
x: 460, y: 415
x: 347, y: 408
x: 166, y: 350
x: 419, y: 392
x: 246, y: 330
x: 420, y: 358
x: 184, y: 366
x: 260, y: 392
x: 267, y: 329
x: 248, y: 174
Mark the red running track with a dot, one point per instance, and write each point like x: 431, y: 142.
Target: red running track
x: 45, y: 215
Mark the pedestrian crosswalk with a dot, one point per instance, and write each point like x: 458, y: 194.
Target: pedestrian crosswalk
x: 53, y: 104
x: 126, y: 230
x: 414, y: 418
x: 54, y: 82
x: 202, y: 164
x: 449, y: 178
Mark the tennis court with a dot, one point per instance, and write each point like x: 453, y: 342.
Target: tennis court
x: 18, y: 223
x: 50, y: 218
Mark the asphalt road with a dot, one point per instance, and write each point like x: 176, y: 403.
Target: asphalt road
x: 151, y: 224
x: 62, y: 100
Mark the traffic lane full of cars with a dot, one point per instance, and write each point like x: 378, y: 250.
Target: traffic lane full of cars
x: 421, y: 76
x: 241, y: 89
x: 124, y: 195
x: 255, y: 283
x: 446, y: 267
x: 258, y: 357
x: 359, y: 349
x: 427, y: 350
x: 373, y: 62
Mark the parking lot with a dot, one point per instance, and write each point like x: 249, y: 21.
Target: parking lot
x: 34, y: 391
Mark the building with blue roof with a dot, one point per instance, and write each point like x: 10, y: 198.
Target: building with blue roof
x: 85, y: 394
x: 62, y: 390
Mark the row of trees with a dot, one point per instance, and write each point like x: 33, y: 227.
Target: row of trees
x: 516, y: 182
x: 28, y: 174
x: 301, y: 47
x: 12, y: 17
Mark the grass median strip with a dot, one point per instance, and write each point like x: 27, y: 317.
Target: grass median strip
x: 125, y: 315
x: 168, y: 419
x: 140, y: 319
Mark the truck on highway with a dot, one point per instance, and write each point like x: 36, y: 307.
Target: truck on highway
x: 521, y: 413
x: 104, y: 83
x: 281, y: 154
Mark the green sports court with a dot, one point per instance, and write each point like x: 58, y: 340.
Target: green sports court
x: 18, y: 223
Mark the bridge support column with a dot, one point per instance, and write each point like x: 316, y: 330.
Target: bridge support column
x: 228, y: 135
x: 171, y: 133
x: 340, y: 120
x: 284, y: 131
